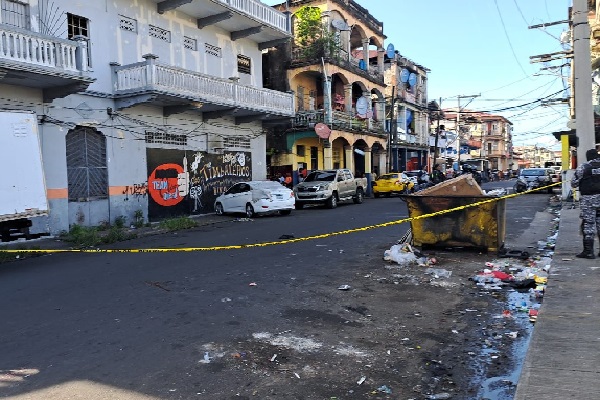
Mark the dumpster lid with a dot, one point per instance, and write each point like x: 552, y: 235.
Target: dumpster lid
x: 462, y: 185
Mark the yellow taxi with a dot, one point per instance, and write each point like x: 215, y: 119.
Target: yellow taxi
x: 395, y: 182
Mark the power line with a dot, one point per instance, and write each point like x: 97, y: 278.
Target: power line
x: 508, y: 38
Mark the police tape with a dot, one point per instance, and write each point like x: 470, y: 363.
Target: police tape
x: 279, y: 242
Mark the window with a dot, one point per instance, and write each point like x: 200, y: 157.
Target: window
x: 236, y: 142
x: 244, y: 64
x: 165, y: 138
x: 300, y: 150
x: 159, y: 33
x: 15, y: 13
x: 314, y: 158
x: 190, y: 43
x: 128, y: 24
x: 87, y: 174
x: 212, y: 50
x: 79, y: 26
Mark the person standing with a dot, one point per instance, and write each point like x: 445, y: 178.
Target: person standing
x: 437, y: 175
x: 587, y: 179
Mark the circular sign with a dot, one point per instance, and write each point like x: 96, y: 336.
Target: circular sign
x: 322, y: 130
x: 362, y: 105
x: 390, y: 51
x: 412, y: 79
x: 404, y: 73
x: 163, y: 184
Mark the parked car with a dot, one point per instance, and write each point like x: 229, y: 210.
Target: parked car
x: 393, y: 183
x: 537, y: 177
x: 256, y: 197
x: 329, y: 187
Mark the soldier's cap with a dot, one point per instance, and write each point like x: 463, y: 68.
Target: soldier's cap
x: 592, y: 154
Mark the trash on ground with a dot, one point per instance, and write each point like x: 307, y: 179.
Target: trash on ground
x: 402, y: 254
x: 344, y: 287
x: 361, y: 380
x: 384, y: 389
x: 438, y: 273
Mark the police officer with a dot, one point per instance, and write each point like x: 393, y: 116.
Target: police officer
x: 587, y: 179
x: 437, y: 175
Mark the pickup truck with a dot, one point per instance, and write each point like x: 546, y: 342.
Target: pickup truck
x: 329, y: 187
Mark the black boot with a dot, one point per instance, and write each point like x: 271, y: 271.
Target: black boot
x: 588, y: 249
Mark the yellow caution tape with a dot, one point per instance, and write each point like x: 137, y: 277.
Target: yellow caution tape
x: 279, y: 242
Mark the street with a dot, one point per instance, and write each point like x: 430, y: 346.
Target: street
x: 263, y: 322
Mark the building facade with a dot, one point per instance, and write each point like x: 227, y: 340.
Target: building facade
x: 335, y: 68
x: 148, y: 108
x: 408, y: 112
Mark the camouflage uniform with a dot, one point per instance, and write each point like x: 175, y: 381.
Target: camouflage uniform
x: 589, y: 205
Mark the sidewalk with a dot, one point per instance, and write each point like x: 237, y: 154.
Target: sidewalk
x: 563, y: 359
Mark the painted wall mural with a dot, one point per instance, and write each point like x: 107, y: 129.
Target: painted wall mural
x: 187, y: 182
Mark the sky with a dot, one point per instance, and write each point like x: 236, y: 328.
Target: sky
x: 483, y: 47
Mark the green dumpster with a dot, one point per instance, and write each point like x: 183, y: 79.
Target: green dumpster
x: 481, y: 226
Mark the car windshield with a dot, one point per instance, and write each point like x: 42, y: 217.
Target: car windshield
x: 320, y: 176
x: 389, y: 176
x: 412, y: 173
x: 533, y: 172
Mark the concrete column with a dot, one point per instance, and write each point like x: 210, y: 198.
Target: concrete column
x: 367, y: 95
x: 380, y: 59
x: 365, y: 45
x: 383, y: 163
x: 81, y: 53
x: 327, y: 155
x: 150, y: 66
x: 349, y: 153
x: 348, y: 98
x: 368, y: 168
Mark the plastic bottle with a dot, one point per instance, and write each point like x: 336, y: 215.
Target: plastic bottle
x: 439, y: 396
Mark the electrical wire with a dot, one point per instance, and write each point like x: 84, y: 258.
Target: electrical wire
x: 508, y: 39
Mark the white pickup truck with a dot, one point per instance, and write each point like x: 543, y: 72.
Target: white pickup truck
x: 329, y: 187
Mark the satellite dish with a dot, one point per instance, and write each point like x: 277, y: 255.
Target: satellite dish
x: 412, y: 79
x: 390, y: 51
x: 322, y: 130
x: 340, y: 24
x: 404, y: 73
x: 362, y: 105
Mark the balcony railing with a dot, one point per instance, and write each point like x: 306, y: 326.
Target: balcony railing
x: 38, y: 50
x: 260, y: 12
x: 153, y: 76
x: 340, y: 120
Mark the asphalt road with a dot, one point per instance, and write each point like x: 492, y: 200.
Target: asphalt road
x: 136, y: 326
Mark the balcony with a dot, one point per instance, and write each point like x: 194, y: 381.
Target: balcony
x: 242, y: 18
x: 179, y: 90
x: 340, y: 121
x: 312, y: 54
x: 55, y: 65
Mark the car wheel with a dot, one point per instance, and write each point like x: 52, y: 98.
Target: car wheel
x: 285, y: 212
x: 376, y: 195
x: 388, y: 194
x: 332, y: 201
x: 299, y: 206
x: 219, y: 209
x: 249, y: 211
x: 359, y: 197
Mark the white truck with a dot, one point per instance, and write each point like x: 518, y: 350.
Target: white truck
x: 23, y: 187
x: 329, y: 187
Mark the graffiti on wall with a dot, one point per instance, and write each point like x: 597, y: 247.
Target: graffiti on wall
x: 137, y: 191
x: 183, y: 182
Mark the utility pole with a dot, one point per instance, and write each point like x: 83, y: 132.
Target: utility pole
x: 584, y: 113
x: 393, y: 129
x: 437, y: 133
x: 458, y: 134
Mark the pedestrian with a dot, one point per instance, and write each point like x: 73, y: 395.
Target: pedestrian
x: 288, y: 180
x: 587, y: 179
x: 437, y: 175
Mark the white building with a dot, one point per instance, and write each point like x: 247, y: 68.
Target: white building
x: 148, y: 108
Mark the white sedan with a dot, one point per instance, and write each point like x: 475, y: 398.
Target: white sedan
x: 256, y: 197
